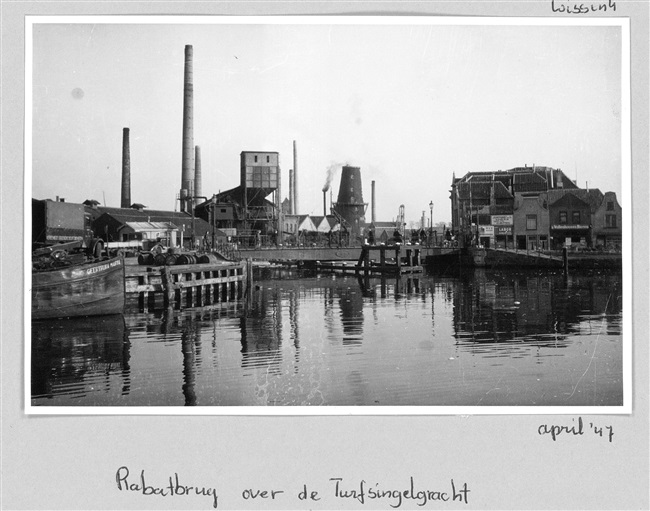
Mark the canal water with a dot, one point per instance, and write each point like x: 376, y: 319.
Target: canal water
x: 477, y: 338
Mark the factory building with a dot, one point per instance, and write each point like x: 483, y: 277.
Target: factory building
x: 247, y: 211
x: 140, y: 224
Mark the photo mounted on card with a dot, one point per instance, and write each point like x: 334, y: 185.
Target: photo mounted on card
x: 315, y: 215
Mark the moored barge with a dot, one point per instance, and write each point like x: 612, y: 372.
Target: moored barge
x: 85, y: 289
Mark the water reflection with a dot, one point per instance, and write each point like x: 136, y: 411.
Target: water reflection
x: 191, y: 349
x: 72, y: 355
x: 261, y: 330
x: 493, y: 307
x: 310, y: 340
x: 350, y: 301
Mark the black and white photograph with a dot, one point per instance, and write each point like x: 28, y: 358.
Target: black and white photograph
x: 352, y: 254
x: 317, y: 214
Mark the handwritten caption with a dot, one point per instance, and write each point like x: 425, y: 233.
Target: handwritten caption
x: 582, y: 7
x: 336, y: 488
x: 576, y: 429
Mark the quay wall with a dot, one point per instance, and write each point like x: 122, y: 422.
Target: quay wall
x: 522, y: 259
x: 533, y: 259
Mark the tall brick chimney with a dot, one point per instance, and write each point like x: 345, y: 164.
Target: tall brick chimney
x: 187, y: 176
x: 125, y: 199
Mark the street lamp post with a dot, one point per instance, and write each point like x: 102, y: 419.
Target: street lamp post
x: 431, y: 221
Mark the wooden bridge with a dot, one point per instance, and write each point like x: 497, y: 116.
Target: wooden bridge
x: 331, y: 254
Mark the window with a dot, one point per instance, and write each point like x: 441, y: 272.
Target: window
x: 575, y: 217
x: 610, y: 220
x: 531, y: 222
x: 255, y: 158
x: 268, y: 159
x: 610, y: 206
x: 563, y: 217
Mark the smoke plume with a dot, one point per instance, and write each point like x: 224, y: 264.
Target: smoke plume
x: 331, y: 173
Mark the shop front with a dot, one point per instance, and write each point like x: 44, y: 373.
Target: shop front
x: 503, y: 233
x: 570, y: 236
x: 486, y: 235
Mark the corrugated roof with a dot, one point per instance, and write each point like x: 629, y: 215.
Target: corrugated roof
x: 135, y: 215
x: 151, y: 226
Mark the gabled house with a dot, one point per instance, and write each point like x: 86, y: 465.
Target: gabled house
x: 321, y: 223
x: 531, y: 221
x: 607, y: 223
x: 333, y: 222
x: 296, y: 226
x: 570, y: 217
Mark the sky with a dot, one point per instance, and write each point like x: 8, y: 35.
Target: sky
x: 411, y: 104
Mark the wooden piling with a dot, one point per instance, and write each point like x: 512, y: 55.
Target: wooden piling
x: 249, y: 275
x: 398, y: 259
x: 168, y: 287
x: 188, y: 285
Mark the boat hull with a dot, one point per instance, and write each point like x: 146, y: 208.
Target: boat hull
x: 83, y: 290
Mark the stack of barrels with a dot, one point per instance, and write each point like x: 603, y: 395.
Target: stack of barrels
x: 172, y: 258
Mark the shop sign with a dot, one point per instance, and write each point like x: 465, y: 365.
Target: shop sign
x: 501, y: 220
x: 486, y: 230
x: 565, y: 227
x: 504, y: 231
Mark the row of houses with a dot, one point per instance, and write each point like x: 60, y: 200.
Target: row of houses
x: 534, y: 208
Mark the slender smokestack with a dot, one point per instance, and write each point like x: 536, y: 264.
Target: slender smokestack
x: 372, y: 198
x: 325, y: 203
x: 125, y: 201
x: 188, y: 132
x: 295, y: 178
x: 291, y: 198
x: 197, y: 174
